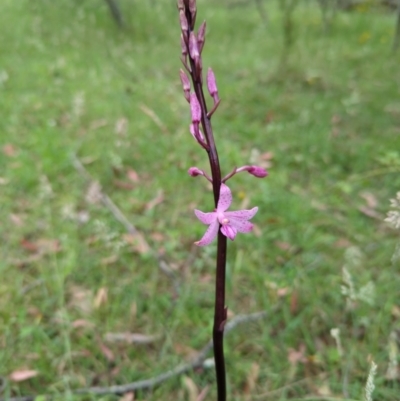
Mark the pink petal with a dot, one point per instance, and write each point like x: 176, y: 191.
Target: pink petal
x: 206, y: 218
x: 241, y: 225
x: 210, y: 234
x: 225, y: 198
x: 229, y: 231
x: 241, y: 214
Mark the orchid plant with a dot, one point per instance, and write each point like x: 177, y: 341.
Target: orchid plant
x: 222, y: 224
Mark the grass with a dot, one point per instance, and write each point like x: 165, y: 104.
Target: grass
x: 330, y: 114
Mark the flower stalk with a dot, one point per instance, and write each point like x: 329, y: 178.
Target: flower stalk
x: 222, y: 224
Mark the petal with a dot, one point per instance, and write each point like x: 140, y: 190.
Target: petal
x: 209, y: 235
x: 206, y: 218
x: 241, y: 214
x: 229, y: 231
x: 225, y: 198
x: 241, y: 225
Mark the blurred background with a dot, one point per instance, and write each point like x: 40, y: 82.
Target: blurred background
x: 100, y: 281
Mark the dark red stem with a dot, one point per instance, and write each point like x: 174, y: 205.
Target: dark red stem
x: 220, y: 310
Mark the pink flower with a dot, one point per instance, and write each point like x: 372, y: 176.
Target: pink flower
x: 231, y: 222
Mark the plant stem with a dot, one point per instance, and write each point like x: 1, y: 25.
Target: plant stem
x: 220, y: 317
x: 220, y: 310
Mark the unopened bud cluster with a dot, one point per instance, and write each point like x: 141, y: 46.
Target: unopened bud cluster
x: 192, y: 45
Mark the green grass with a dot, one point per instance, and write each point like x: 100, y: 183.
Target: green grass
x: 329, y: 113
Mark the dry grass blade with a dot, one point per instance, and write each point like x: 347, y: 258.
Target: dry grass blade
x: 131, y: 338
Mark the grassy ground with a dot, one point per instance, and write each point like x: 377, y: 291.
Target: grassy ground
x: 328, y: 111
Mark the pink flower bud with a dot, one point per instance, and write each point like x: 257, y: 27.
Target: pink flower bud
x: 185, y: 84
x: 201, y: 36
x: 194, y: 171
x: 183, y: 21
x: 193, y: 46
x: 192, y: 6
x: 257, y: 171
x: 183, y: 48
x: 195, y: 55
x: 212, y: 85
x: 195, y: 109
x: 193, y: 10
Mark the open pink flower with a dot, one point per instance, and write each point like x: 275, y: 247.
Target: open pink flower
x: 231, y: 222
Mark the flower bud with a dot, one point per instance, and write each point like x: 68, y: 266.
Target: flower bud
x: 185, y: 84
x: 257, y: 171
x: 194, y: 171
x: 195, y: 55
x: 183, y: 48
x: 201, y: 36
x: 193, y: 11
x: 195, y: 108
x: 212, y: 85
x: 193, y: 46
x: 183, y: 22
